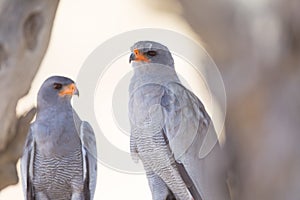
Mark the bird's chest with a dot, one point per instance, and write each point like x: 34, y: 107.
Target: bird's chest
x: 58, y: 172
x: 56, y: 138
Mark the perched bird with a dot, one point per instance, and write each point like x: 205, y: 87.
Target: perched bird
x: 168, y: 127
x: 59, y: 158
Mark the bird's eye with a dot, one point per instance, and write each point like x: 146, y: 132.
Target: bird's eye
x: 151, y: 53
x: 57, y: 86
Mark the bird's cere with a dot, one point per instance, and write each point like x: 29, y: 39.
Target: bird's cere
x: 138, y: 56
x: 70, y: 89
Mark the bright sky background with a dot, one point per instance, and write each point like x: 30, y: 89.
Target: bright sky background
x: 80, y: 27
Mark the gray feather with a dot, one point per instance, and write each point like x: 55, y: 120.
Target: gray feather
x: 88, y: 141
x: 187, y: 126
x: 26, y: 166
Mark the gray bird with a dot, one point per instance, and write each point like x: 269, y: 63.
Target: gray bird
x: 59, y: 158
x: 171, y: 133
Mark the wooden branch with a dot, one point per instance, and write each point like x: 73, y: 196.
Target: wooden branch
x: 25, y: 28
x: 12, y: 153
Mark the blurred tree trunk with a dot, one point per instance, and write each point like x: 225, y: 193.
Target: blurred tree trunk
x: 25, y: 28
x: 256, y: 46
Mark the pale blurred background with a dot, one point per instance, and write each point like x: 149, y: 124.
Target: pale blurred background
x: 80, y: 27
x: 256, y: 45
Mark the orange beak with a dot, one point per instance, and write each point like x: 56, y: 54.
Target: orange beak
x: 70, y: 89
x: 138, y: 56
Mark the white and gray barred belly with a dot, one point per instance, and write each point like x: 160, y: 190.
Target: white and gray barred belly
x: 158, y: 159
x: 58, y: 176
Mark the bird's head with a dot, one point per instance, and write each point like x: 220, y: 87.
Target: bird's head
x: 56, y: 90
x: 145, y: 52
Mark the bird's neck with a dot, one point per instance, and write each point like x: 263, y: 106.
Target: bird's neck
x: 48, y: 110
x: 151, y: 68
x: 153, y: 73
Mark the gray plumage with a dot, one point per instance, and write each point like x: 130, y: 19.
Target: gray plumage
x: 59, y: 158
x: 168, y: 127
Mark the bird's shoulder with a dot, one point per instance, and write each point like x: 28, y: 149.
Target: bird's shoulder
x: 177, y: 95
x: 87, y: 137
